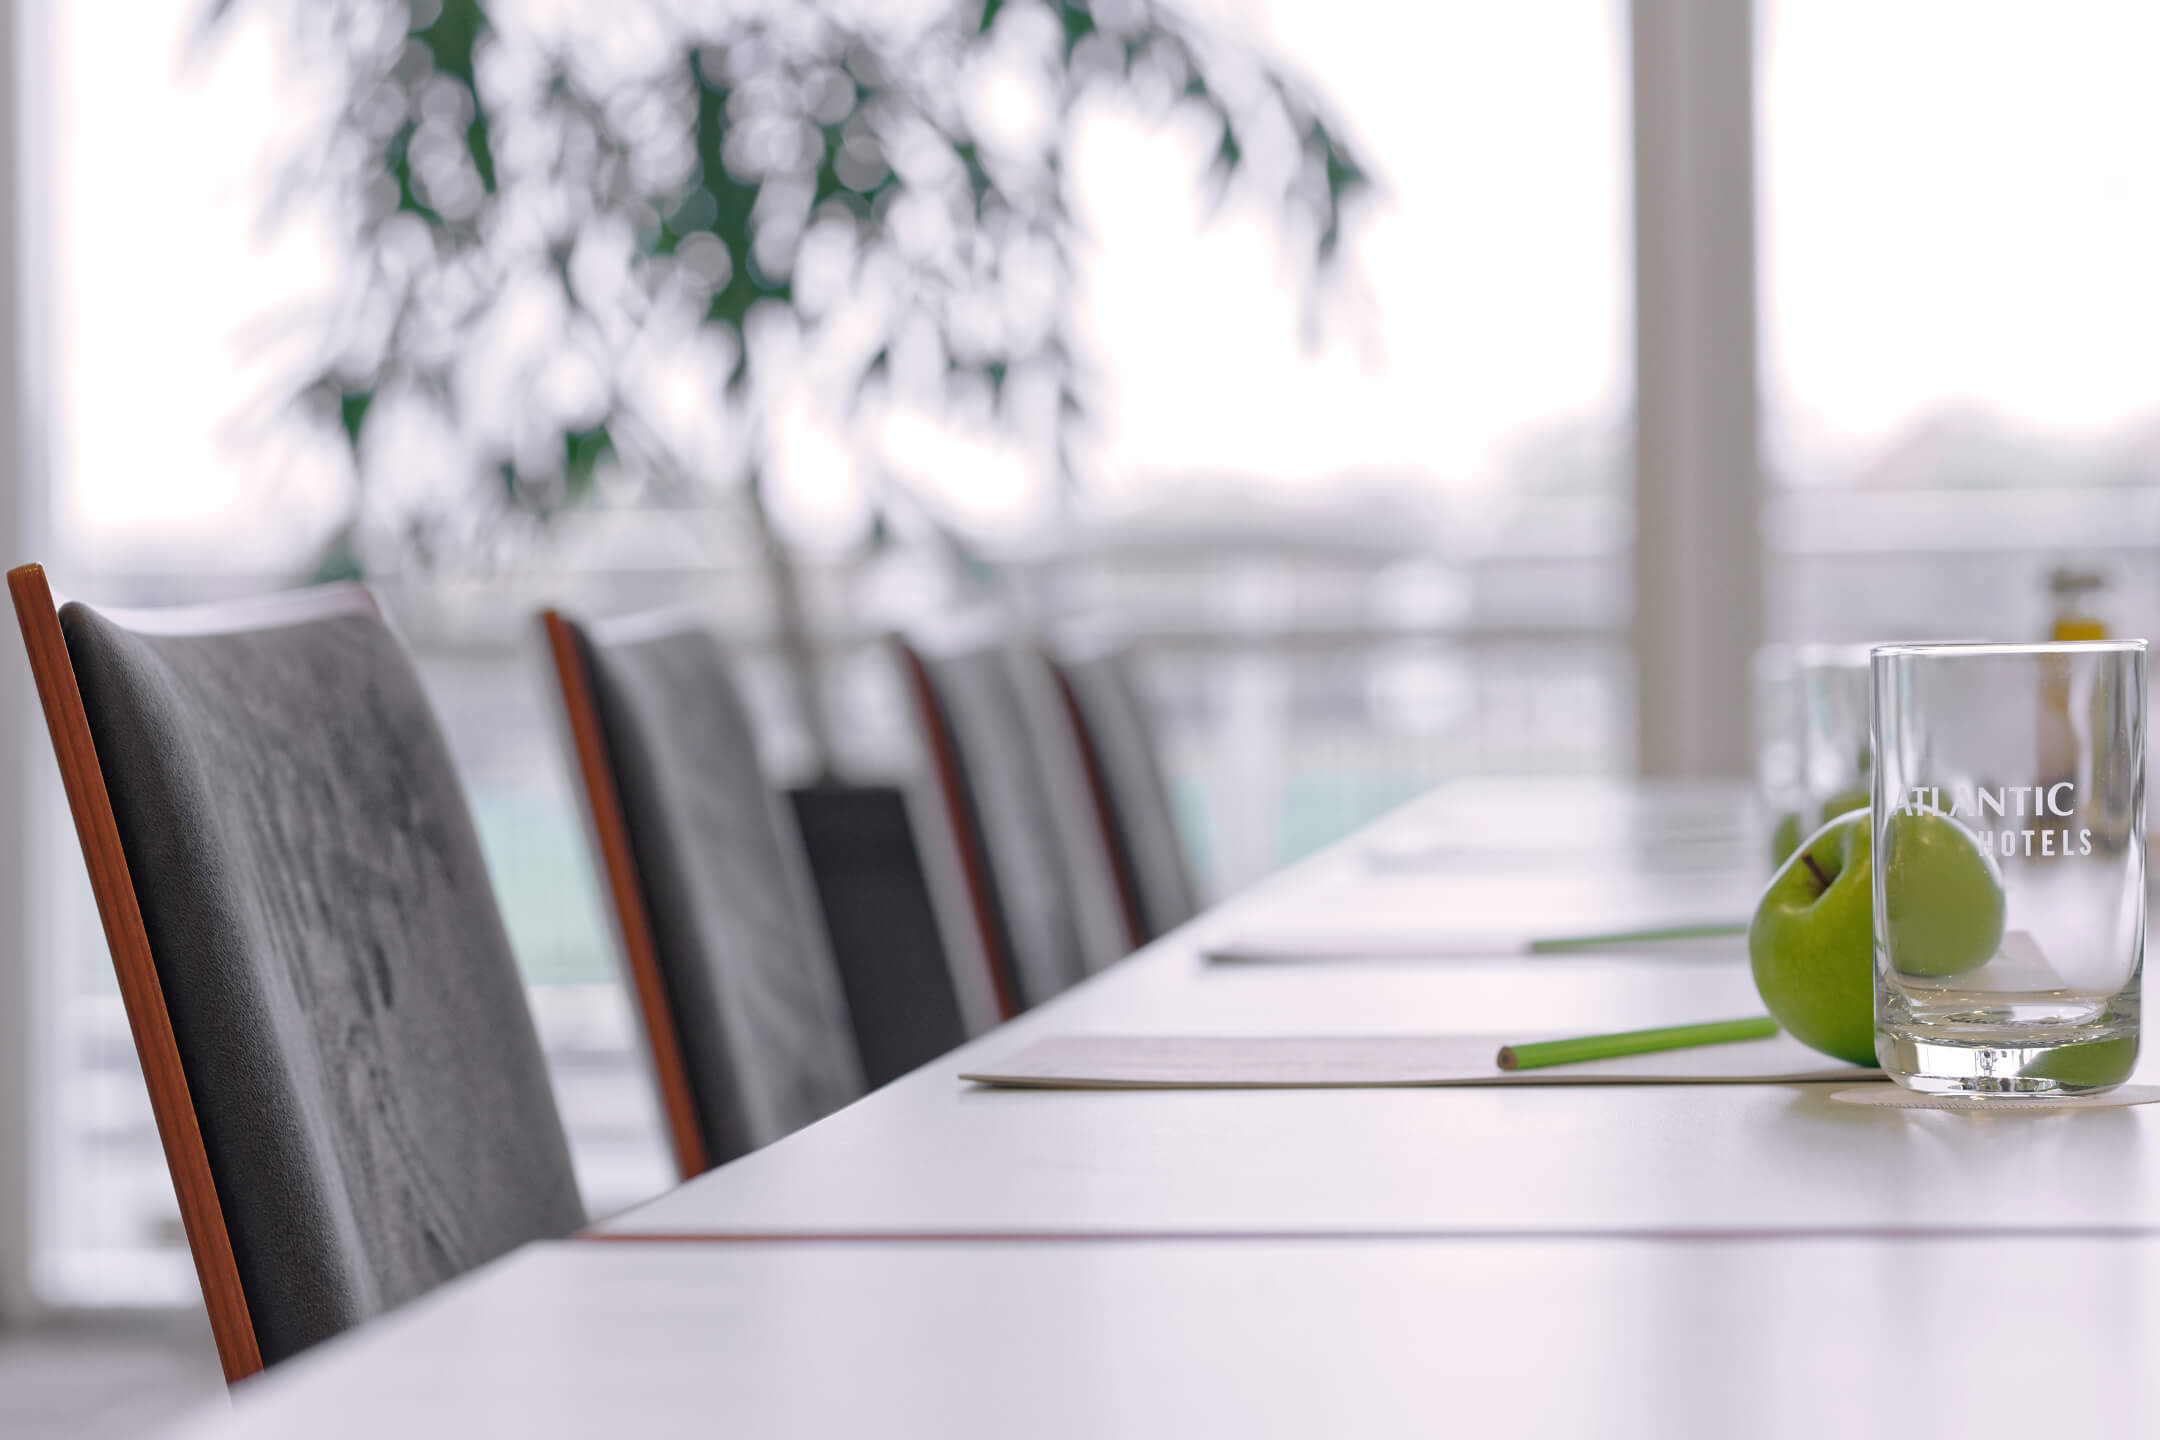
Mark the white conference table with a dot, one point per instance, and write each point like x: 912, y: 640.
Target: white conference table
x: 1241, y: 1339
x: 941, y: 1259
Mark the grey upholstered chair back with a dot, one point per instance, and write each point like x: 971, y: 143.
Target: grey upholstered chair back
x: 756, y: 1002
x: 1012, y: 800
x: 1148, y: 855
x: 355, y: 1038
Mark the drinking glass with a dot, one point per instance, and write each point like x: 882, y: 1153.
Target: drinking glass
x: 2009, y: 862
x: 1776, y: 715
x: 1812, y: 749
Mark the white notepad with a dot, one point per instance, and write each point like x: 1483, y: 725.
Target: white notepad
x: 1294, y: 949
x: 1292, y: 1062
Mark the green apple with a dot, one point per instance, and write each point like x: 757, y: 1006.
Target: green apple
x: 1943, y: 896
x: 1812, y: 942
x: 2094, y: 1065
x: 1785, y: 838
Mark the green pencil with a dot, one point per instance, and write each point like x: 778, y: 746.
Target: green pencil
x: 1633, y: 1042
x: 1555, y: 943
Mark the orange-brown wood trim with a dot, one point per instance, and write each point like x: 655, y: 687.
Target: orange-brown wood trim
x: 611, y: 833
x: 140, y: 989
x: 1123, y: 881
x: 945, y: 765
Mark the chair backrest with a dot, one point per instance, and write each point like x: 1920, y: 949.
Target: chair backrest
x: 344, y: 1071
x: 1130, y: 798
x: 1012, y: 806
x: 899, y: 968
x: 749, y: 1031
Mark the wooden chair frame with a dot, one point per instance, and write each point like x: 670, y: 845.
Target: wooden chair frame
x: 610, y: 831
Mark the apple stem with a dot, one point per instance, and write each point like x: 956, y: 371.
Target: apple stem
x: 1815, y: 870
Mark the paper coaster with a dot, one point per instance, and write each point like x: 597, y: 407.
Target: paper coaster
x: 1896, y: 1097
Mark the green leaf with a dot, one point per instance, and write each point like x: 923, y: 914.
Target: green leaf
x: 397, y: 162
x: 352, y: 414
x: 1078, y: 23
x: 482, y: 151
x: 827, y: 174
x: 1228, y: 153
x: 979, y: 182
x: 453, y: 35
x: 1344, y: 175
x: 583, y: 453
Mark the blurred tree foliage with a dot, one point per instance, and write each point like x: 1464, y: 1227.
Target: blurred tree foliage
x: 481, y: 161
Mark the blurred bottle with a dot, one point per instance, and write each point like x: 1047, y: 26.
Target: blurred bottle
x: 2076, y: 603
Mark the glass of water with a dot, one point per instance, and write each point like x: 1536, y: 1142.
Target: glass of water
x: 2009, y: 860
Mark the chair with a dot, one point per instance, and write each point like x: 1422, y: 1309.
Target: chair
x: 749, y: 1031
x: 345, y: 1076
x: 1129, y: 800
x: 1011, y: 786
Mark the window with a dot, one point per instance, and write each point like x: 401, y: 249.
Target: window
x: 1396, y: 552
x: 1959, y: 297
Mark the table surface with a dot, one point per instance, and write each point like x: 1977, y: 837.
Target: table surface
x: 944, y: 1259
x: 981, y: 1340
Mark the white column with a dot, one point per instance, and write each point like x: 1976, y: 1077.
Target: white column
x: 20, y: 1040
x: 1698, y: 472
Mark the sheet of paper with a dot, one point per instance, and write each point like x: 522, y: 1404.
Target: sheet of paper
x: 1290, y: 1062
x: 1292, y: 949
